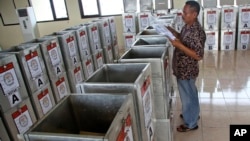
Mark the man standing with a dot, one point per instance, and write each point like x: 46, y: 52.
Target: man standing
x: 189, y: 49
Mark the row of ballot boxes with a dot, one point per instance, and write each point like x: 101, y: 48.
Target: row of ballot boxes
x: 116, y: 103
x: 143, y: 73
x: 38, y: 74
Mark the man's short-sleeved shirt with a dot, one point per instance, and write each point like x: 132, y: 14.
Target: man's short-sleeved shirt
x: 184, y: 66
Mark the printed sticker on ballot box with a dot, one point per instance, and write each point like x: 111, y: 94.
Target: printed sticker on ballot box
x: 22, y: 119
x: 8, y: 78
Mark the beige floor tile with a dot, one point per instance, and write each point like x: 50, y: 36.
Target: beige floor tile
x: 212, y: 104
x: 240, y: 117
x: 208, y: 82
x: 231, y: 82
x: 195, y: 135
x: 210, y: 92
x: 234, y: 93
x: 215, y: 119
x: 215, y: 134
x: 238, y: 104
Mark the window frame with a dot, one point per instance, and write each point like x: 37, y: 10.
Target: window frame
x: 54, y: 13
x: 93, y: 16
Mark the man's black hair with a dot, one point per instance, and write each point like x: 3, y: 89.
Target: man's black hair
x: 194, y: 5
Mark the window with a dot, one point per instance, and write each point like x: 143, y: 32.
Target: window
x: 100, y: 7
x: 52, y: 10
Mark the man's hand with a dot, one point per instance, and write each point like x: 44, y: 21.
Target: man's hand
x: 176, y: 43
x: 176, y: 34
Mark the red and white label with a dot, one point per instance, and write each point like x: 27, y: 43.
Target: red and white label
x: 89, y: 67
x: 129, y: 21
x: 53, y: 54
x: 71, y: 46
x: 45, y: 101
x: 126, y: 132
x: 245, y: 15
x: 95, y: 34
x: 129, y: 40
x: 144, y: 20
x: 228, y: 38
x: 8, y: 78
x: 211, y: 38
x: 83, y: 39
x: 211, y: 17
x: 244, y: 37
x: 61, y: 87
x: 33, y: 64
x: 78, y: 75
x: 22, y: 119
x: 146, y: 101
x: 228, y: 15
x: 99, y: 60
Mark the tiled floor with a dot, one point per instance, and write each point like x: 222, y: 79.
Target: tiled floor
x: 224, y: 93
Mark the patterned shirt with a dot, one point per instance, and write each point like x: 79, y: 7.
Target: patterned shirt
x: 194, y: 37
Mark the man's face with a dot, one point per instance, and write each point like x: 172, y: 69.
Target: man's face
x: 189, y: 15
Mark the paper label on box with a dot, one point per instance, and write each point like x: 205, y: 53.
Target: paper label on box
x: 61, y: 87
x: 106, y: 29
x: 112, y: 24
x: 129, y: 21
x: 144, y: 21
x: 99, y: 60
x: 53, y: 54
x: 129, y: 40
x: 228, y: 38
x: 78, y: 75
x: 126, y: 132
x: 71, y: 46
x: 211, y: 17
x: 89, y: 67
x: 245, y: 15
x: 14, y: 98
x: 34, y: 64
x: 45, y: 101
x: 244, y: 37
x: 228, y: 15
x: 146, y: 101
x: 211, y: 38
x: 95, y: 34
x: 83, y: 40
x: 22, y: 119
x: 8, y: 78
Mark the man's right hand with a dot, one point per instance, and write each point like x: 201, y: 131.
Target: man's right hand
x: 176, y: 34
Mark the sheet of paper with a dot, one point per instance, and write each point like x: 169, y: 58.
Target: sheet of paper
x: 162, y: 30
